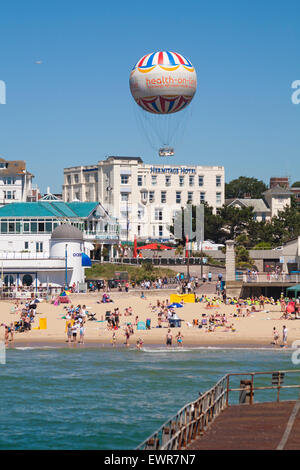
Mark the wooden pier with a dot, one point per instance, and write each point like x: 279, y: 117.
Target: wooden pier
x: 263, y: 426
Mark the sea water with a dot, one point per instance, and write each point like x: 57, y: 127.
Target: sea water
x: 111, y: 398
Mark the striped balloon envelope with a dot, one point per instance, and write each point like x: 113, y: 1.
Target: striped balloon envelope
x: 163, y: 82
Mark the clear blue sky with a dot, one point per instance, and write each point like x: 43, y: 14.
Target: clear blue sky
x: 76, y: 108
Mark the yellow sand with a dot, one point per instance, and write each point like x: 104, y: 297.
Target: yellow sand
x: 250, y: 331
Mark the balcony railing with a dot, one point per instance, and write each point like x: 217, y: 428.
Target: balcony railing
x: 23, y: 255
x: 101, y: 235
x: 252, y: 278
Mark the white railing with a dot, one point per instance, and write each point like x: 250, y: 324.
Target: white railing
x: 110, y: 235
x: 269, y: 278
x: 23, y: 255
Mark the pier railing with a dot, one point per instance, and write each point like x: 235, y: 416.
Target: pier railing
x: 190, y: 421
x: 193, y: 419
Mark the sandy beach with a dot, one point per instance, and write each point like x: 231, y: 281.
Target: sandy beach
x: 253, y: 331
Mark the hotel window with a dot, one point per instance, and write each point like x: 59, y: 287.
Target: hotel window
x: 41, y: 226
x: 191, y: 180
x: 163, y: 197
x: 178, y: 197
x: 168, y: 180
x: 3, y: 227
x: 218, y: 198
x: 26, y: 245
x: 139, y: 230
x: 181, y: 180
x: 202, y: 197
x: 218, y: 181
x: 39, y: 247
x: 140, y: 180
x: 140, y: 214
x: 69, y: 179
x: 26, y: 226
x: 201, y: 180
x: 144, y: 195
x: 124, y: 197
x: 87, y: 178
x: 124, y: 179
x: 154, y: 180
x: 76, y: 178
x: 9, y: 194
x: 160, y: 230
x: 190, y: 196
x: 158, y: 214
x: 9, y: 180
x: 151, y: 196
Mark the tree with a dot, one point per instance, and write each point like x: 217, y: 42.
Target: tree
x: 243, y: 185
x: 235, y: 220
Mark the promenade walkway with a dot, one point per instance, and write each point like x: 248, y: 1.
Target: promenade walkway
x: 262, y: 426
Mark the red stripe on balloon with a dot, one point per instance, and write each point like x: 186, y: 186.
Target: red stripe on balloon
x: 179, y: 58
x: 160, y: 58
x: 142, y: 60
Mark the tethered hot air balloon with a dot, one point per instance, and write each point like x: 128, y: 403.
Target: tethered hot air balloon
x: 163, y: 84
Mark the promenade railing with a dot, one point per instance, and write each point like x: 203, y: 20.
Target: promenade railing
x: 269, y: 278
x: 194, y: 418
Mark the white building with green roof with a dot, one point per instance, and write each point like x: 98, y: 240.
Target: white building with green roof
x: 26, y: 229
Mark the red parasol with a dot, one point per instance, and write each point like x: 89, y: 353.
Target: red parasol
x: 155, y: 246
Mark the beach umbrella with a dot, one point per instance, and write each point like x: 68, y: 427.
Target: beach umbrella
x: 155, y: 246
x: 175, y: 305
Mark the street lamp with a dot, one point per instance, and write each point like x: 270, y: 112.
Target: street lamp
x: 66, y: 266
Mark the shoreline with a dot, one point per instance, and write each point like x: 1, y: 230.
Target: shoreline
x: 104, y: 343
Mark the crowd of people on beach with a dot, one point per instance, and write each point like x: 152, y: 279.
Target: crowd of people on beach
x: 76, y: 318
x: 207, y: 318
x: 26, y: 312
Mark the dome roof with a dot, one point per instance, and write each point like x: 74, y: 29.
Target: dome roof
x: 66, y: 232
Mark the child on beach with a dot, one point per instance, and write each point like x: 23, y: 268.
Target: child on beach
x: 179, y: 339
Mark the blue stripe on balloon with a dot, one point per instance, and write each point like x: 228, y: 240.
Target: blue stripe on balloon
x: 189, y: 63
x: 171, y: 58
x: 171, y: 106
x: 155, y: 106
x: 150, y: 60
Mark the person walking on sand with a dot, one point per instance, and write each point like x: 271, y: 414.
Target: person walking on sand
x: 169, y: 338
x: 6, y: 334
x: 127, y: 336
x: 284, y: 336
x: 114, y: 339
x: 69, y: 331
x: 275, y: 336
x: 81, y: 333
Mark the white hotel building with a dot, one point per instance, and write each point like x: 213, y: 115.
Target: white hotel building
x: 144, y: 197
